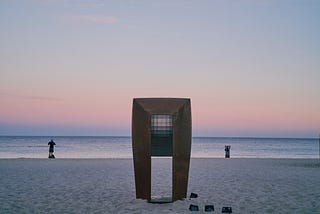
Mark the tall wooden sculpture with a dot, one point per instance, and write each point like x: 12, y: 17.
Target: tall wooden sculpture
x: 161, y: 127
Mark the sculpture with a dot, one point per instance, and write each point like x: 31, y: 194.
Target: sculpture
x: 161, y: 127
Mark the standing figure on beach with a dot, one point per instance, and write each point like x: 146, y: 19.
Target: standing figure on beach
x: 51, y: 148
x: 227, y: 150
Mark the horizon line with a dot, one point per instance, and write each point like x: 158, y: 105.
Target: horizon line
x: 127, y: 136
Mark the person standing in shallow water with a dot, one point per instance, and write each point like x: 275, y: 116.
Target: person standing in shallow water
x: 51, y: 148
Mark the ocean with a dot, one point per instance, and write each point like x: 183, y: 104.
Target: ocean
x: 120, y: 147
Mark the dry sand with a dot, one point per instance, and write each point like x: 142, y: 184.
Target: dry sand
x: 107, y: 186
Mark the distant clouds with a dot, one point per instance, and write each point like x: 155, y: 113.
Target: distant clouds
x: 81, y: 6
x: 29, y: 97
x: 34, y: 97
x: 75, y: 3
x: 98, y: 19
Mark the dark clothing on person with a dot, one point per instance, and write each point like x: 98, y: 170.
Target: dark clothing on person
x: 227, y: 149
x: 51, y: 144
x: 51, y: 149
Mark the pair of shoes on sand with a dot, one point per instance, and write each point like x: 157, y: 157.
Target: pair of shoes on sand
x: 207, y: 208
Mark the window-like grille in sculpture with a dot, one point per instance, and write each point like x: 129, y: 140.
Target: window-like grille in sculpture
x: 161, y: 135
x: 161, y: 125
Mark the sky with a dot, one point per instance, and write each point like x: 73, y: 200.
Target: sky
x: 72, y: 67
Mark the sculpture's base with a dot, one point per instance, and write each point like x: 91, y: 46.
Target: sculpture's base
x: 160, y: 200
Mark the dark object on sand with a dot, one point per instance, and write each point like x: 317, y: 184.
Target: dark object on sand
x: 226, y: 209
x: 161, y: 127
x: 193, y: 207
x: 227, y: 150
x: 193, y: 195
x: 209, y: 208
x: 51, y: 144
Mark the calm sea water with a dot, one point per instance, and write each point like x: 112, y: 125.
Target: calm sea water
x: 120, y: 147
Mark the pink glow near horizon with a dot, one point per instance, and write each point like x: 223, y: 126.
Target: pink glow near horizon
x: 116, y: 111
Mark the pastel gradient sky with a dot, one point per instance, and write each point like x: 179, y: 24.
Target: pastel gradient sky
x: 72, y: 67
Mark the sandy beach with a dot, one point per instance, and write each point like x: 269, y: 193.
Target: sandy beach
x: 107, y: 186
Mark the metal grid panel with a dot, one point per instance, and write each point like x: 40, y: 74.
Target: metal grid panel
x: 161, y: 124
